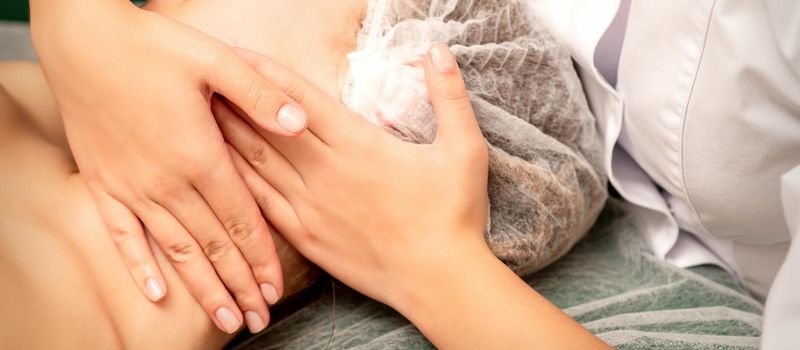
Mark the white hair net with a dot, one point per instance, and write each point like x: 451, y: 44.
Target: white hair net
x: 546, y: 186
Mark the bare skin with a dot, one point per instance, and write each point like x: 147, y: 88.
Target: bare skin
x: 311, y: 37
x: 74, y: 288
x: 61, y: 273
x: 63, y: 277
x: 436, y: 269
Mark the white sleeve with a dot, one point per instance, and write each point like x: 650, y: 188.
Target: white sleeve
x: 782, y: 313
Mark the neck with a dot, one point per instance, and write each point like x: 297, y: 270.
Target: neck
x: 311, y: 37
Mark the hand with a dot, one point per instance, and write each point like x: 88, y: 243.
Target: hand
x: 134, y: 90
x: 401, y: 223
x: 373, y: 211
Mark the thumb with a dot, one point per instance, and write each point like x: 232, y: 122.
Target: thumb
x: 455, y: 119
x: 263, y: 102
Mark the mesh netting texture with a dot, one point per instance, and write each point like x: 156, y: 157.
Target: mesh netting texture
x: 546, y: 186
x: 610, y: 282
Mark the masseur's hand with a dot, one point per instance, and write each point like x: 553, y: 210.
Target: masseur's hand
x: 357, y: 191
x: 402, y: 223
x: 134, y: 89
x: 370, y: 209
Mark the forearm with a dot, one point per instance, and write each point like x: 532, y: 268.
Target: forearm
x: 485, y: 305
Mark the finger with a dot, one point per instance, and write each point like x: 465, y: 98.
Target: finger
x: 278, y: 211
x: 272, y: 204
x: 270, y: 163
x: 235, y: 272
x: 194, y: 268
x: 329, y: 119
x: 455, y: 118
x: 127, y: 233
x: 266, y: 105
x: 302, y: 151
x: 238, y: 213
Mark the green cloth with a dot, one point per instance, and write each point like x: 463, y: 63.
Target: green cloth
x: 17, y: 10
x: 14, y: 10
x: 609, y: 282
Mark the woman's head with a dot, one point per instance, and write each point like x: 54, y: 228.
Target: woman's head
x: 546, y: 186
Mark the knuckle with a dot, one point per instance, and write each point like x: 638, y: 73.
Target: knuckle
x: 200, y: 172
x: 164, y: 188
x: 216, y: 250
x: 246, y: 299
x: 140, y: 266
x: 211, y: 300
x: 240, y: 231
x: 454, y: 92
x: 120, y: 234
x: 262, y: 271
x: 262, y: 97
x: 457, y: 95
x: 180, y: 253
x: 258, y: 155
x: 264, y: 66
x: 311, y: 244
x: 295, y: 91
x: 460, y: 104
x: 137, y: 201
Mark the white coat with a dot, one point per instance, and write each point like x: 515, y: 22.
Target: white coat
x: 701, y: 127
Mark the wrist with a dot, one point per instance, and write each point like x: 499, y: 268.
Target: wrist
x: 437, y: 274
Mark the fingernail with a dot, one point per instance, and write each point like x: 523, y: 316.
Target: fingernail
x: 227, y: 320
x: 270, y: 293
x: 442, y: 58
x: 292, y: 118
x: 154, y: 289
x: 254, y: 322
